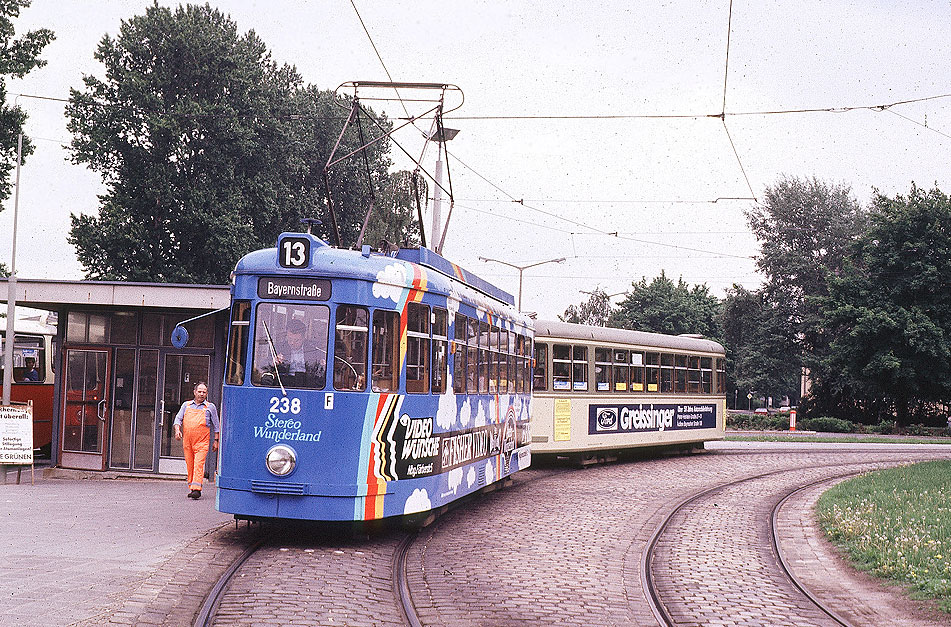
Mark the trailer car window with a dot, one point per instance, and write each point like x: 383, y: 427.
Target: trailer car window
x: 541, y: 367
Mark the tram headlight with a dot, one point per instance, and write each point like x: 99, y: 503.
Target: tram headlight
x: 280, y: 460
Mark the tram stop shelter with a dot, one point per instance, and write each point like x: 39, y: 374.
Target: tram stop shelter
x: 117, y: 379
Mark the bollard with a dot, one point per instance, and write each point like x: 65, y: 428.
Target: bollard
x: 792, y: 420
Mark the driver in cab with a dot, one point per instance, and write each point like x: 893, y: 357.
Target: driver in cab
x: 298, y: 364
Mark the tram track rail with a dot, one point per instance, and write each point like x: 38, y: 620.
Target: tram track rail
x: 206, y: 614
x: 400, y: 585
x: 650, y: 584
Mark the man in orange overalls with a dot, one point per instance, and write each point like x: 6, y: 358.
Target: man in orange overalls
x: 194, y: 423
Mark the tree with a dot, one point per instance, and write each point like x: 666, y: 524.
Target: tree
x: 395, y: 218
x: 663, y: 306
x: 805, y: 228
x: 18, y: 56
x: 595, y: 311
x: 890, y: 311
x: 757, y: 343
x: 208, y: 148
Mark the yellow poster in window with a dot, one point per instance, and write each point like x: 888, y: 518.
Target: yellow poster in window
x: 562, y: 419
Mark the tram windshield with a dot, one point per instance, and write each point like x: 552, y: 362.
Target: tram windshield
x: 290, y: 345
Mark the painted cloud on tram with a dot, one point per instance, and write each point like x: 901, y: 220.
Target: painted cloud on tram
x: 455, y: 479
x: 390, y: 282
x: 446, y: 412
x: 418, y: 501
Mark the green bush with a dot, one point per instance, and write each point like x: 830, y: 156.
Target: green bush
x: 885, y: 427
x: 757, y: 422
x: 827, y: 425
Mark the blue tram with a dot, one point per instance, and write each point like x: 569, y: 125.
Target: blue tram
x: 362, y: 385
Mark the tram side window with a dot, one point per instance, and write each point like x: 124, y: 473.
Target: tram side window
x: 473, y: 365
x: 721, y: 376
x: 290, y: 345
x: 693, y: 374
x: 505, y: 358
x: 237, y: 362
x: 440, y: 349
x: 527, y: 366
x: 579, y: 368
x: 561, y: 367
x: 666, y: 373
x: 602, y: 369
x: 622, y: 370
x: 637, y: 371
x: 511, y: 362
x: 652, y: 371
x: 493, y: 359
x: 386, y: 351
x: 459, y: 354
x: 483, y: 339
x: 519, y: 375
x: 706, y: 375
x: 417, y: 349
x: 541, y: 367
x: 680, y: 373
x: 350, y: 348
x: 29, y: 358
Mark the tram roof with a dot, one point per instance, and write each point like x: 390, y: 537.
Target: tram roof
x: 431, y: 259
x: 568, y: 330
x: 359, y: 264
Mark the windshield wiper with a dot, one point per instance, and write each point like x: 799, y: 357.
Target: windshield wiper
x: 270, y: 345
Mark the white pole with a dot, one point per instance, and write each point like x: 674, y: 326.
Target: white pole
x: 12, y: 287
x: 437, y: 202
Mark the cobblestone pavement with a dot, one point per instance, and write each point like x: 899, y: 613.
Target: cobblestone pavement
x: 558, y: 546
x: 302, y: 577
x: 715, y: 565
x: 566, y: 548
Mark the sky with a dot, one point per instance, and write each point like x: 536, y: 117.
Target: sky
x: 587, y: 132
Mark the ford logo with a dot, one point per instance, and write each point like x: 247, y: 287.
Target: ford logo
x: 607, y: 419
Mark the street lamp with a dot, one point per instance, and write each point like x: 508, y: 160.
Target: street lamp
x: 441, y: 135
x: 520, y: 270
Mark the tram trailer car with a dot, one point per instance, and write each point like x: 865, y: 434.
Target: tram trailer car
x: 361, y: 386
x: 602, y: 392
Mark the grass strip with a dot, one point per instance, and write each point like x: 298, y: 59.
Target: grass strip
x: 780, y: 437
x: 896, y: 524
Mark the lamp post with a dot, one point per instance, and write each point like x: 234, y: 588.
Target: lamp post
x: 442, y: 135
x: 521, y: 269
x: 12, y: 288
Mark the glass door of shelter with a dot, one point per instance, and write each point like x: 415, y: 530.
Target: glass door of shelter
x: 133, y: 435
x: 181, y: 374
x: 85, y: 409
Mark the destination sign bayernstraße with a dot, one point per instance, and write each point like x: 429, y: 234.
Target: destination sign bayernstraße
x: 293, y: 288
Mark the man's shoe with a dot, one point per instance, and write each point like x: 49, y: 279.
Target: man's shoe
x: 194, y: 494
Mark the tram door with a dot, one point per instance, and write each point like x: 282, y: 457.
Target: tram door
x: 86, y: 408
x: 182, y: 372
x: 134, y: 383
